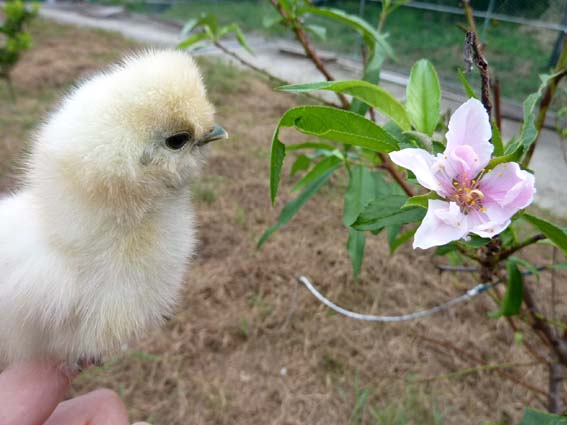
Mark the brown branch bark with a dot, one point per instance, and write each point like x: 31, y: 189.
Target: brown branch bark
x: 530, y: 241
x: 556, y: 377
x: 391, y: 168
x: 558, y: 344
x: 473, y: 55
x: 265, y: 73
x: 310, y: 50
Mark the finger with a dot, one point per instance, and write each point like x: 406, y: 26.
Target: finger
x: 29, y: 392
x: 100, y: 407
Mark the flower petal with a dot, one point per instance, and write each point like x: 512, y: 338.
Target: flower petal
x: 470, y: 126
x: 480, y: 224
x: 443, y: 223
x: 419, y: 162
x: 507, y: 189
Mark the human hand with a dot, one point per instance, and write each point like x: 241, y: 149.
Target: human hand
x: 32, y: 394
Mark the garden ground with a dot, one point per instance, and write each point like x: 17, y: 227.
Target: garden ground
x: 249, y: 345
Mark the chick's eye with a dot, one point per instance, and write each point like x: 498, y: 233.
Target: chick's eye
x: 177, y: 141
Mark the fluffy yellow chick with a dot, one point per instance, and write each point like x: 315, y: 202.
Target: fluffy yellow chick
x: 94, y: 248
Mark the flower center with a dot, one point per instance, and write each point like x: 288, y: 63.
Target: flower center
x: 467, y: 194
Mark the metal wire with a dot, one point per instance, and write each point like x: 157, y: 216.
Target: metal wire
x: 471, y: 293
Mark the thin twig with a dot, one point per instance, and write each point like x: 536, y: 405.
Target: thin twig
x: 473, y: 54
x: 553, y: 289
x: 532, y: 351
x: 309, y: 50
x: 265, y: 73
x: 556, y: 378
x: 389, y: 166
x: 558, y: 344
x: 530, y: 241
x: 560, y: 72
x: 465, y: 269
x: 473, y: 45
x: 479, y: 369
x: 469, y: 14
x: 467, y: 355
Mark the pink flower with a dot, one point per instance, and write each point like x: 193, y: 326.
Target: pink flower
x: 476, y: 200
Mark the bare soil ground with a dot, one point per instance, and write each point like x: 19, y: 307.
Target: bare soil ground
x: 251, y: 346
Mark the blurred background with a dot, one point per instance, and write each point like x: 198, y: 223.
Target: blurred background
x: 248, y: 344
x: 524, y: 36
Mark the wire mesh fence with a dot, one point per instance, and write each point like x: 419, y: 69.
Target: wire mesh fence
x: 523, y: 37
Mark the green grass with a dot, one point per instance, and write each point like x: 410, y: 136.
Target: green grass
x: 412, y: 407
x: 516, y: 54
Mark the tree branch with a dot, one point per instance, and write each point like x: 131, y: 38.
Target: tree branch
x: 265, y: 73
x: 558, y: 344
x: 309, y: 49
x: 473, y: 55
x: 530, y: 241
x: 389, y: 166
x: 466, y: 355
x: 556, y: 377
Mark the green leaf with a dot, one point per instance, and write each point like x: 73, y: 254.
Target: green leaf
x: 497, y: 140
x: 239, y: 36
x: 559, y: 266
x: 423, y: 97
x: 293, y: 206
x: 276, y: 161
x: 369, y: 34
x: 529, y: 131
x: 524, y: 263
x: 319, y: 31
x: 189, y: 26
x: 476, y: 241
x: 420, y: 201
x: 386, y: 211
x: 329, y: 163
x: 363, y: 186
x: 270, y: 21
x: 339, y: 125
x: 207, y: 21
x: 301, y: 163
x: 371, y: 74
x: 400, y: 240
x: 310, y: 145
x: 536, y: 417
x: 371, y: 94
x: 196, y: 38
x: 422, y: 141
x: 391, y: 233
x: 355, y: 247
x: 466, y: 84
x: 512, y: 301
x: 511, y: 157
x: 554, y: 233
x: 286, y: 5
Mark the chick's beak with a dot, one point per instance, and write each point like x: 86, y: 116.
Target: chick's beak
x: 216, y: 133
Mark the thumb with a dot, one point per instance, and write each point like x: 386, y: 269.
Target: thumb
x: 30, y: 391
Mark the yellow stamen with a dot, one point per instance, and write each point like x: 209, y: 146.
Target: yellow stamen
x: 478, y: 192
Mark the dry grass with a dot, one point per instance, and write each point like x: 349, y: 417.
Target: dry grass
x: 249, y: 345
